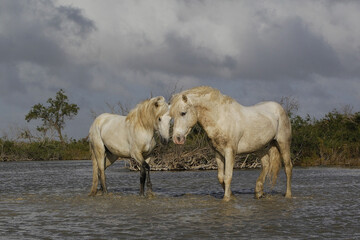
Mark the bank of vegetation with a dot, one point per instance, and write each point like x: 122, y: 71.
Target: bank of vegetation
x: 333, y: 140
x: 11, y: 150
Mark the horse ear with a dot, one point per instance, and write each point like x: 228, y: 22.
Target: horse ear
x: 157, y: 102
x: 184, y: 98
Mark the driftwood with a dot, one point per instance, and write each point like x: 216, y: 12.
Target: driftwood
x: 176, y: 158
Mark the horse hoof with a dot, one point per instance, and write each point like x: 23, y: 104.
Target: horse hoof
x: 259, y: 195
x: 227, y: 198
x: 92, y: 194
x: 150, y: 194
x: 288, y: 195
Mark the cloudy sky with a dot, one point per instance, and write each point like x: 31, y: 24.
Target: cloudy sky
x: 106, y: 51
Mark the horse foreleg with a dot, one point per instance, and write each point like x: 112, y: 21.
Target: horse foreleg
x: 229, y: 167
x: 142, y: 179
x: 143, y: 166
x: 148, y: 181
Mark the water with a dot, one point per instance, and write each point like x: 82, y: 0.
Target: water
x: 48, y: 200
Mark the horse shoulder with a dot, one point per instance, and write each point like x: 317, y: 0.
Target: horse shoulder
x: 225, y: 130
x: 115, y: 135
x: 141, y: 140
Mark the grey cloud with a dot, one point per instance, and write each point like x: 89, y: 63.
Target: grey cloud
x: 287, y: 49
x: 179, y: 56
x: 32, y: 46
x: 69, y: 17
x: 9, y: 79
x: 100, y: 52
x: 39, y: 33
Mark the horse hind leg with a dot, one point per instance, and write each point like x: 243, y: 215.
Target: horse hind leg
x: 97, y: 157
x: 285, y: 154
x: 95, y: 180
x: 229, y: 168
x: 100, y: 157
x: 259, y: 187
x: 221, y: 169
x: 271, y: 164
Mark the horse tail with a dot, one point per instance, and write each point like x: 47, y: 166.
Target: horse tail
x: 274, y: 165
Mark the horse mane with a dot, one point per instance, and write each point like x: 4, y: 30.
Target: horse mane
x: 214, y: 95
x: 147, y: 112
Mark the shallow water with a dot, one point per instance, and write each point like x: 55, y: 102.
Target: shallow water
x: 48, y: 200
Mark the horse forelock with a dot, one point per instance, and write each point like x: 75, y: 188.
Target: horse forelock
x: 174, y: 102
x: 198, y: 96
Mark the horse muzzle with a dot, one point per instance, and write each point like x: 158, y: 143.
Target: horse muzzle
x: 164, y: 141
x: 179, y: 139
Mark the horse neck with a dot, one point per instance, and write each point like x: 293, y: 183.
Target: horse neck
x: 142, y: 121
x: 205, y: 110
x: 209, y: 107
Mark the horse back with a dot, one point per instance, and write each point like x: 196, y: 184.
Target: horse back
x: 109, y: 130
x: 260, y: 124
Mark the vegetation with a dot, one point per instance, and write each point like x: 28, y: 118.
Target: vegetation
x: 53, y: 117
x: 43, y: 150
x: 333, y: 140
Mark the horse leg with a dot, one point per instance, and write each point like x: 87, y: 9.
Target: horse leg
x: 259, y: 188
x: 142, y: 179
x: 140, y: 159
x: 101, y: 165
x: 97, y: 156
x: 148, y: 181
x: 229, y: 167
x: 110, y: 159
x: 221, y: 167
x: 285, y: 154
x: 95, y: 181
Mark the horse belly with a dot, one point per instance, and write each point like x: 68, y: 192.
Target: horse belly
x: 250, y: 147
x: 117, y: 146
x: 119, y: 150
x: 250, y: 143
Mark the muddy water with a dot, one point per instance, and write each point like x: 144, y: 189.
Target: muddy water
x: 48, y: 200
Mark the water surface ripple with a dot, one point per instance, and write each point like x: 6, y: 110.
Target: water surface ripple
x: 48, y: 200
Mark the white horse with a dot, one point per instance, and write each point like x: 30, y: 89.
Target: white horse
x: 112, y: 136
x: 235, y: 129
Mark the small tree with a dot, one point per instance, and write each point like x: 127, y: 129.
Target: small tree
x: 290, y: 105
x: 53, y: 117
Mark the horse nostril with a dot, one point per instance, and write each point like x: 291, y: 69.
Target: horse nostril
x: 178, y: 138
x: 164, y: 140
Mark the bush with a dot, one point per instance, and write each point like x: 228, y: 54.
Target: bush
x: 332, y: 140
x: 45, y: 150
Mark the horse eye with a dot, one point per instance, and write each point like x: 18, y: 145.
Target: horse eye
x: 159, y: 119
x: 183, y: 113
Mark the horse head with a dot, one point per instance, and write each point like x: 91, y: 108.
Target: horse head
x: 163, y: 118
x: 184, y: 115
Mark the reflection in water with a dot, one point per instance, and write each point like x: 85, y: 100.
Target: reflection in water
x: 49, y: 200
